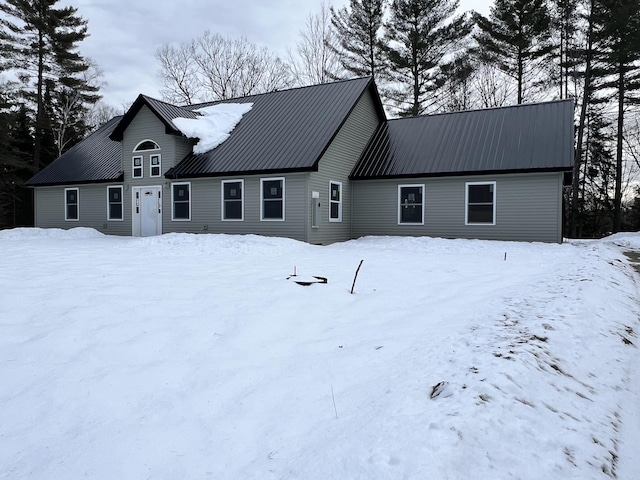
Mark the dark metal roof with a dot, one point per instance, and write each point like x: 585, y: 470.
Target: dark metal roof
x: 94, y: 159
x: 285, y: 131
x: 164, y: 111
x: 529, y: 137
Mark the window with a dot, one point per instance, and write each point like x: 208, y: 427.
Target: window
x: 71, y: 204
x: 181, y: 201
x: 114, y: 203
x: 146, y: 145
x: 481, y: 203
x: 410, y: 204
x: 335, y: 201
x: 155, y: 165
x: 137, y: 167
x: 272, y: 194
x: 232, y: 199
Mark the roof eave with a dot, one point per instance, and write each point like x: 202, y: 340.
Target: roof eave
x: 462, y: 174
x: 119, y: 178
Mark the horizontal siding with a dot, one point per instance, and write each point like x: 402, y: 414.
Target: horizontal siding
x: 206, y: 208
x: 146, y: 126
x: 92, y: 209
x: 528, y: 208
x: 336, y: 165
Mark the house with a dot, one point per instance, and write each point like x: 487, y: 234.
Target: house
x: 319, y: 164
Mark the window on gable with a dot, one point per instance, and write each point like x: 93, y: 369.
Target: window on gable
x: 410, y: 204
x: 481, y: 203
x: 146, y: 145
x: 335, y: 201
x: 71, y: 204
x: 136, y: 167
x: 181, y: 201
x: 232, y: 199
x: 272, y: 194
x: 114, y: 203
x: 155, y: 165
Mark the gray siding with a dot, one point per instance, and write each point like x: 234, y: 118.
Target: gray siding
x: 145, y: 126
x: 206, y: 208
x: 335, y: 165
x: 50, y: 205
x: 528, y: 208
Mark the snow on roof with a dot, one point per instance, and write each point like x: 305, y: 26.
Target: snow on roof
x: 213, y: 126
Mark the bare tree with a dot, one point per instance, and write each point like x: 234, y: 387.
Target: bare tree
x: 178, y: 74
x: 314, y: 60
x: 213, y: 67
x: 493, y: 87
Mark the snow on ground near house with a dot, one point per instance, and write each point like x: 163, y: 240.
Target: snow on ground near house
x: 193, y: 356
x: 214, y: 126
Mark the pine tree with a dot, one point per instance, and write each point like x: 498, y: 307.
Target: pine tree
x: 618, y: 45
x: 40, y: 42
x: 515, y: 38
x: 357, y: 31
x: 420, y: 35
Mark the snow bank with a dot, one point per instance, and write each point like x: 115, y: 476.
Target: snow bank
x: 49, y: 233
x: 629, y: 240
x: 214, y: 126
x: 192, y: 356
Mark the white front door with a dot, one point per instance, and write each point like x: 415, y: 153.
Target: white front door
x: 147, y: 211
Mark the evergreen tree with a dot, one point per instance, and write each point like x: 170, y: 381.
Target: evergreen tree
x: 618, y: 46
x: 357, y: 31
x: 515, y: 38
x: 40, y: 42
x: 420, y: 35
x: 16, y: 150
x: 565, y: 23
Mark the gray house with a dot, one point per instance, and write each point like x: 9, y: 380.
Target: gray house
x: 319, y: 164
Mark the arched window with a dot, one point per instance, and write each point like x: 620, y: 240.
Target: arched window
x: 146, y: 145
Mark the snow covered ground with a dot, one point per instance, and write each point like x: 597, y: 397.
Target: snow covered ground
x: 193, y: 356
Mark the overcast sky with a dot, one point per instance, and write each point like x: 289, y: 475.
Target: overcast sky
x: 125, y: 34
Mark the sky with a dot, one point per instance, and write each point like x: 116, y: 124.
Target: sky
x: 124, y: 35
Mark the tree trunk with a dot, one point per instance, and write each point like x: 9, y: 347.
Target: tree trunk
x: 37, y: 138
x: 575, y: 184
x: 617, y: 200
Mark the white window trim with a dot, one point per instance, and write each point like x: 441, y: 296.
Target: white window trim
x: 466, y: 203
x: 66, y: 219
x: 400, y: 187
x: 151, y: 166
x: 222, y: 184
x: 269, y: 179
x: 173, y: 218
x: 109, y: 187
x: 135, y: 149
x: 133, y: 166
x: 339, y: 202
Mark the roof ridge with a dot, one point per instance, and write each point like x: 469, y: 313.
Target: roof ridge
x: 197, y: 105
x: 486, y: 109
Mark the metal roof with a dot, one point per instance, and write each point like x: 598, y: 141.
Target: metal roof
x: 164, y: 111
x: 285, y: 131
x: 528, y: 137
x: 94, y: 159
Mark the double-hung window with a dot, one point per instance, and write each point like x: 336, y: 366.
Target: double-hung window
x: 335, y: 201
x: 232, y: 200
x: 411, y: 204
x: 155, y: 165
x: 71, y: 204
x: 137, y: 168
x: 181, y: 201
x: 480, y: 203
x: 272, y: 195
x: 114, y: 203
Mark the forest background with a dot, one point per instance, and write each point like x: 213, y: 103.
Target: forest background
x: 426, y: 56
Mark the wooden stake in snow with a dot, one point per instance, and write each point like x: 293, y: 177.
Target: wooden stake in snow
x: 355, y: 277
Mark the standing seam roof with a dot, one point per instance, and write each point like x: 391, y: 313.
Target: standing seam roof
x: 524, y: 137
x: 94, y: 159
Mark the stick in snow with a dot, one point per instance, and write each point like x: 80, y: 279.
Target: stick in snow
x: 355, y: 277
